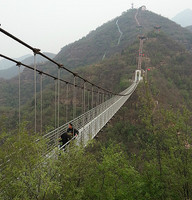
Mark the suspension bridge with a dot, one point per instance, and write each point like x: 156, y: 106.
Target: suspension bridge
x: 102, y: 104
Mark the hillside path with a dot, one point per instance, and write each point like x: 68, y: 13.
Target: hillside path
x: 119, y: 32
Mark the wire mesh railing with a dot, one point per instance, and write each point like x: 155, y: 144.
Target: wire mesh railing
x: 91, y: 122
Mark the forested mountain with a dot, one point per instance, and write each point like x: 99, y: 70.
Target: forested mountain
x: 189, y: 28
x: 144, y: 152
x: 39, y: 59
x: 103, y: 42
x: 184, y: 18
x: 5, y: 64
x: 145, y: 149
x: 169, y: 63
x: 100, y: 48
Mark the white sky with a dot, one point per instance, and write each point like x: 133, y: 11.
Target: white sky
x: 52, y: 24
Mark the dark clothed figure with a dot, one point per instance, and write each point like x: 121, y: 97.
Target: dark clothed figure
x: 66, y: 136
x: 72, y: 131
x: 63, y: 139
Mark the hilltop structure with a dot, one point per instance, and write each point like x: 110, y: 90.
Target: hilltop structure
x: 157, y: 28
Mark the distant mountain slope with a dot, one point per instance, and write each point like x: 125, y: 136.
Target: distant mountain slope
x: 39, y: 59
x: 171, y: 67
x: 5, y: 64
x: 13, y: 70
x: 184, y: 18
x: 103, y: 42
x: 101, y: 45
x: 170, y: 28
x: 170, y: 64
x: 189, y: 28
x: 169, y: 78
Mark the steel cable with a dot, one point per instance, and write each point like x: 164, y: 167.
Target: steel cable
x: 67, y: 99
x: 55, y: 81
x: 41, y: 101
x: 35, y: 91
x: 58, y: 96
x: 74, y: 98
x: 37, y: 51
x: 19, y: 74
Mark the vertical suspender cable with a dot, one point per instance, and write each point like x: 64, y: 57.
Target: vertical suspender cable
x: 55, y: 80
x: 67, y: 98
x: 111, y: 96
x: 35, y: 90
x: 83, y: 112
x: 19, y: 99
x: 98, y: 97
x: 59, y: 72
x: 103, y: 108
x: 41, y: 93
x: 74, y: 98
x: 92, y: 113
x: 94, y: 124
x: 84, y: 99
x: 98, y: 122
x: 88, y: 100
x: 108, y: 102
x: 92, y: 96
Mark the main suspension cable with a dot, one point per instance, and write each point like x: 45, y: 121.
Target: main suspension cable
x: 39, y: 71
x: 37, y: 51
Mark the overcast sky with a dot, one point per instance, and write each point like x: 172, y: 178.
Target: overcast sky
x: 52, y: 24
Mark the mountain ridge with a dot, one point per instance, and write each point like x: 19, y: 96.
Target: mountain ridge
x: 12, y: 71
x: 184, y: 18
x: 189, y: 28
x: 5, y: 64
x: 103, y: 40
x: 113, y: 66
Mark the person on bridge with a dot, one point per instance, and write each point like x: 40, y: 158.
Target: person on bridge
x: 72, y: 131
x: 68, y: 135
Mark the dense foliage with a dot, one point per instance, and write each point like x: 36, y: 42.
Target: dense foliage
x: 143, y: 153
x: 171, y: 66
x: 147, y: 156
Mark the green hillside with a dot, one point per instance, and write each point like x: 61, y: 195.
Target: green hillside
x: 144, y: 152
x: 169, y: 48
x: 104, y: 40
x: 173, y: 62
x: 169, y: 78
x: 189, y: 28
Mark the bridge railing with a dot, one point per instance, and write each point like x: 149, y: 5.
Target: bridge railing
x: 88, y: 124
x: 91, y: 122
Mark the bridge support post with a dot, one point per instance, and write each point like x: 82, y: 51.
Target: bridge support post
x: 137, y: 75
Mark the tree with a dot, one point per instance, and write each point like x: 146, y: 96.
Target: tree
x: 25, y: 173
